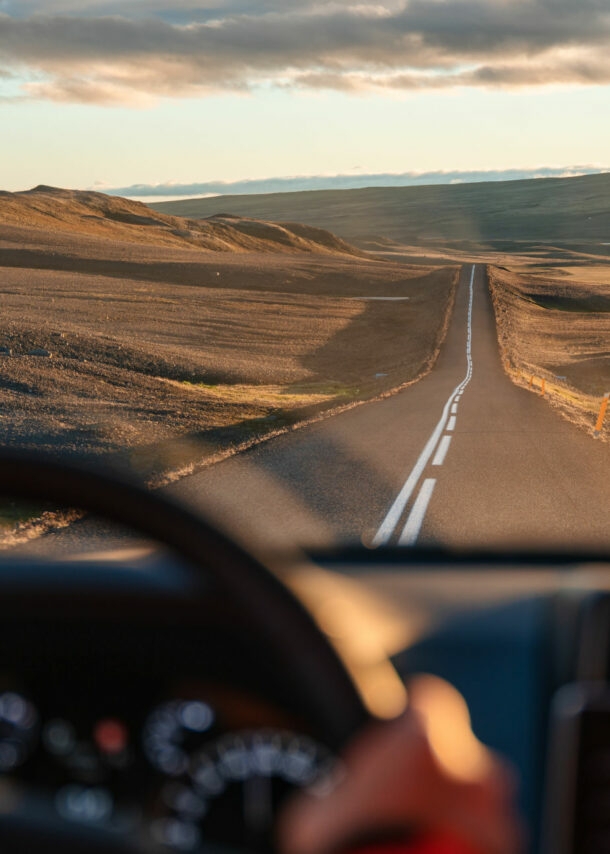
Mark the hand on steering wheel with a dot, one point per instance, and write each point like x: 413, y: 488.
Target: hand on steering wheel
x: 424, y: 781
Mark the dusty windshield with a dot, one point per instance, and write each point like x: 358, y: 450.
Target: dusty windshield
x: 331, y: 273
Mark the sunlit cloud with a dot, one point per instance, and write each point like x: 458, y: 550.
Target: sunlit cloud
x: 103, y: 53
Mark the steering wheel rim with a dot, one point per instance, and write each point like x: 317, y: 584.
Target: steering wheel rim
x: 272, y: 608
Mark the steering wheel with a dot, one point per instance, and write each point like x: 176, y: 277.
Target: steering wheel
x: 271, y: 609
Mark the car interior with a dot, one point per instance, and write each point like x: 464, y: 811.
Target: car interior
x: 164, y: 690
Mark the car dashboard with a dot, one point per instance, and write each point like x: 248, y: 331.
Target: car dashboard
x: 138, y: 711
x: 526, y: 641
x: 141, y: 709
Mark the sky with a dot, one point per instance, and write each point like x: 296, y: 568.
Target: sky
x: 109, y: 95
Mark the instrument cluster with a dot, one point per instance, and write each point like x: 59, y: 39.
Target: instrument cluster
x: 207, y: 766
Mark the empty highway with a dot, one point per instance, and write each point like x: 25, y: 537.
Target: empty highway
x: 463, y: 457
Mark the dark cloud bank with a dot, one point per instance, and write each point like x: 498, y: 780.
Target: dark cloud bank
x: 110, y: 52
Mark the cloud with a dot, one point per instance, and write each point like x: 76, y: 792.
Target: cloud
x: 339, y: 182
x: 101, y: 52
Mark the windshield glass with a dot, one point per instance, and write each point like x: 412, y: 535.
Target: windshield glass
x: 330, y: 273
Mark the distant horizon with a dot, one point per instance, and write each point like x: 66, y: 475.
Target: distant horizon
x: 156, y: 193
x: 307, y: 183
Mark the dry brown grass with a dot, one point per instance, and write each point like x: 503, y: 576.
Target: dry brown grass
x: 555, y: 324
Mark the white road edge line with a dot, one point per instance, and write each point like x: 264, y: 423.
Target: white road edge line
x: 441, y: 451
x: 417, y: 515
x: 392, y: 518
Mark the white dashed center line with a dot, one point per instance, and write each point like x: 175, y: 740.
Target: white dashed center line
x: 441, y: 451
x: 417, y: 514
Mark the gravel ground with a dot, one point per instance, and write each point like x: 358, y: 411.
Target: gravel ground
x: 157, y: 355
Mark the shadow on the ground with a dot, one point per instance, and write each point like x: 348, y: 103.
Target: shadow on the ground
x: 326, y: 477
x: 386, y: 344
x: 335, y: 484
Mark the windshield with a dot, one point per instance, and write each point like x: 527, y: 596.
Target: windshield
x: 331, y: 273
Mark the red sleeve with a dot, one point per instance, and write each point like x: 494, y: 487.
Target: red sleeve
x: 432, y: 844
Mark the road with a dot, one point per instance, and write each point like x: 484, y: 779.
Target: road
x: 463, y: 457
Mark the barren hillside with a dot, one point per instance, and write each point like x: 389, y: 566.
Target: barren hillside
x: 497, y: 214
x: 123, y: 334
x: 554, y: 324
x: 97, y: 215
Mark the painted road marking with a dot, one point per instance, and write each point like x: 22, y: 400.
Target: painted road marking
x: 418, y: 514
x: 454, y: 409
x: 451, y: 425
x: 392, y: 518
x: 386, y: 529
x: 441, y: 451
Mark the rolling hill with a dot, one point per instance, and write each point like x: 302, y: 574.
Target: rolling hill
x: 96, y: 215
x: 548, y: 210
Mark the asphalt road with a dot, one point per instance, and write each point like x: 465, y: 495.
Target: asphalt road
x: 463, y: 457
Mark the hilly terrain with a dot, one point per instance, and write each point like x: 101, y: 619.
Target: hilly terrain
x: 108, y: 217
x: 500, y: 213
x: 164, y: 342
x: 547, y: 244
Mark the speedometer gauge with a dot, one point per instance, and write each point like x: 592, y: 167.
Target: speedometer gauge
x: 234, y: 787
x: 172, y: 731
x: 242, y: 756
